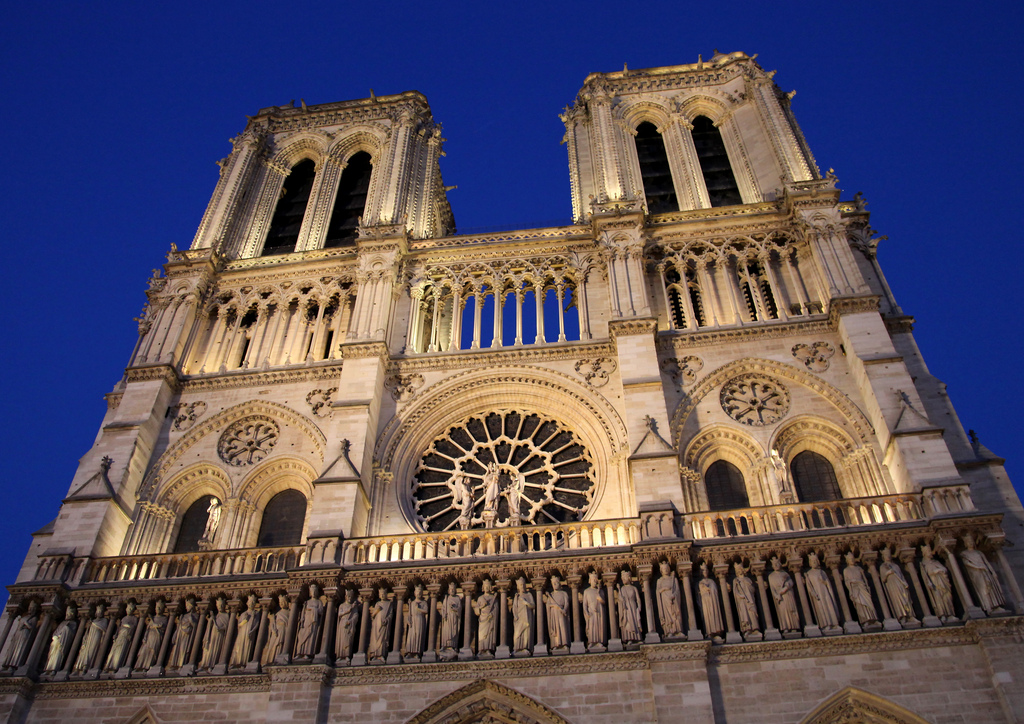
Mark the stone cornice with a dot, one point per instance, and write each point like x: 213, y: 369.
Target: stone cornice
x: 363, y: 350
x: 839, y: 306
x: 259, y: 378
x: 503, y: 237
x: 629, y: 327
x: 152, y: 687
x: 683, y: 340
x: 278, y: 261
x: 498, y: 357
x: 149, y: 373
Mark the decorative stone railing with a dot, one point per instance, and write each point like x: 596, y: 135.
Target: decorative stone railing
x: 846, y: 513
x: 190, y: 565
x: 478, y: 542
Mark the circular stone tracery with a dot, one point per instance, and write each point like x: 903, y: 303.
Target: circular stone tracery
x: 248, y: 441
x: 537, y: 463
x: 755, y: 400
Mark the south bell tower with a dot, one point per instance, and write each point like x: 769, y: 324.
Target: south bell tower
x: 694, y: 417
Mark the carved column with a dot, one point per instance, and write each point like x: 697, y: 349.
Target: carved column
x: 430, y: 653
x: 945, y: 550
x: 850, y: 625
x: 732, y: 636
x: 888, y: 622
x: 83, y: 624
x: 365, y: 596
x: 254, y: 665
x: 907, y: 555
x: 285, y: 657
x: 324, y: 654
x: 466, y: 654
x: 502, y: 652
x: 652, y: 637
x: 108, y: 636
x: 577, y: 647
x: 224, y: 655
x: 157, y: 669
x: 42, y: 638
x: 694, y: 633
x: 125, y: 671
x: 197, y: 641
x: 395, y: 655
x: 796, y: 567
x: 541, y: 647
x: 770, y: 632
x: 614, y: 642
x: 1011, y: 581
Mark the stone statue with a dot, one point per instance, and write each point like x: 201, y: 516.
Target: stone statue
x: 557, y: 605
x: 216, y: 631
x: 462, y: 498
x: 630, y: 628
x: 20, y: 641
x: 784, y: 595
x: 450, y: 608
x: 184, y: 632
x: 311, y: 623
x: 823, y: 601
x: 593, y: 613
x: 983, y: 578
x: 277, y: 631
x: 781, y: 475
x: 152, y: 637
x: 707, y: 589
x: 61, y: 639
x: 492, y: 489
x: 212, y: 520
x: 415, y: 625
x: 348, y: 625
x: 93, y: 639
x: 857, y: 586
x: 122, y: 644
x: 247, y: 630
x: 897, y: 590
x: 669, y: 613
x: 523, y: 608
x: 936, y: 581
x: 514, y: 494
x: 745, y: 595
x: 486, y: 609
x: 380, y: 615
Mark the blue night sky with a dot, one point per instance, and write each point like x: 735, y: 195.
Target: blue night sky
x: 116, y: 113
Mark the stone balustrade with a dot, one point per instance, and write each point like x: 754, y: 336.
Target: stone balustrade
x: 197, y: 564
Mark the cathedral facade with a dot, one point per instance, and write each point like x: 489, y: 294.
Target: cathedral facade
x: 680, y: 459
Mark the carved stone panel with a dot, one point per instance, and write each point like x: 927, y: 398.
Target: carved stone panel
x: 755, y: 400
x: 248, y: 441
x: 814, y: 356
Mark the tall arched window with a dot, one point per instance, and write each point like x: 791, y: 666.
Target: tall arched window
x: 193, y: 525
x: 290, y: 209
x: 814, y: 478
x: 714, y: 163
x: 283, y: 519
x: 654, y: 170
x: 350, y: 202
x: 725, y: 486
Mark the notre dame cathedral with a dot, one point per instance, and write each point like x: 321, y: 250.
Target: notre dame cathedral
x: 680, y: 460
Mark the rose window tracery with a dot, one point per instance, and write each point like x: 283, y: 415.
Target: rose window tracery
x: 755, y: 400
x: 502, y: 469
x: 248, y: 441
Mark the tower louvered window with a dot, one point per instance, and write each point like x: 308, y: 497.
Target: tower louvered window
x: 290, y: 210
x: 350, y: 201
x: 654, y: 170
x: 714, y: 163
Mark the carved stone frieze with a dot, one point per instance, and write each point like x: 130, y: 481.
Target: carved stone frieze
x: 814, y: 356
x: 597, y: 371
x: 319, y: 401
x: 629, y: 327
x: 248, y: 441
x: 755, y: 400
x: 682, y: 371
x: 257, y: 379
x: 150, y: 373
x: 404, y: 386
x: 500, y: 357
x: 185, y: 416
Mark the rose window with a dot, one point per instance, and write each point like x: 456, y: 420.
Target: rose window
x: 248, y: 441
x: 503, y: 469
x: 755, y: 400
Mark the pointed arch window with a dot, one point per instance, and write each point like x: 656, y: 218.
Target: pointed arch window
x: 290, y: 210
x: 814, y: 478
x: 655, y: 170
x: 283, y: 520
x: 725, y: 485
x: 193, y: 525
x: 714, y: 163
x: 350, y: 201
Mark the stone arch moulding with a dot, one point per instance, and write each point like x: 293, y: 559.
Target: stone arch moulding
x: 307, y: 144
x: 721, y: 442
x: 715, y: 109
x: 530, y: 389
x: 364, y: 137
x: 853, y: 415
x: 810, y: 432
x: 485, y: 700
x: 293, y: 421
x: 191, y: 484
x: 646, y: 110
x: 277, y: 475
x: 856, y: 705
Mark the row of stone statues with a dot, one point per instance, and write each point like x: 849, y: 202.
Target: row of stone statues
x: 506, y: 618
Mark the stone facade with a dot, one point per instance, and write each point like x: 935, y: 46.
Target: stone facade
x: 681, y: 458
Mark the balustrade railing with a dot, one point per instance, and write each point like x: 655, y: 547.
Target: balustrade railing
x: 194, y: 565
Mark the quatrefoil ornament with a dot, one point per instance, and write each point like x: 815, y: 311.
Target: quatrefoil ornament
x: 814, y: 356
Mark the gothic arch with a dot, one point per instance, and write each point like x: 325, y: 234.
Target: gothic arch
x: 306, y: 145
x: 704, y: 105
x: 649, y: 111
x: 191, y: 484
x: 488, y: 701
x: 292, y: 420
x: 274, y: 476
x: 530, y: 389
x: 366, y: 137
x: 852, y: 414
x: 856, y: 705
x: 723, y: 443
